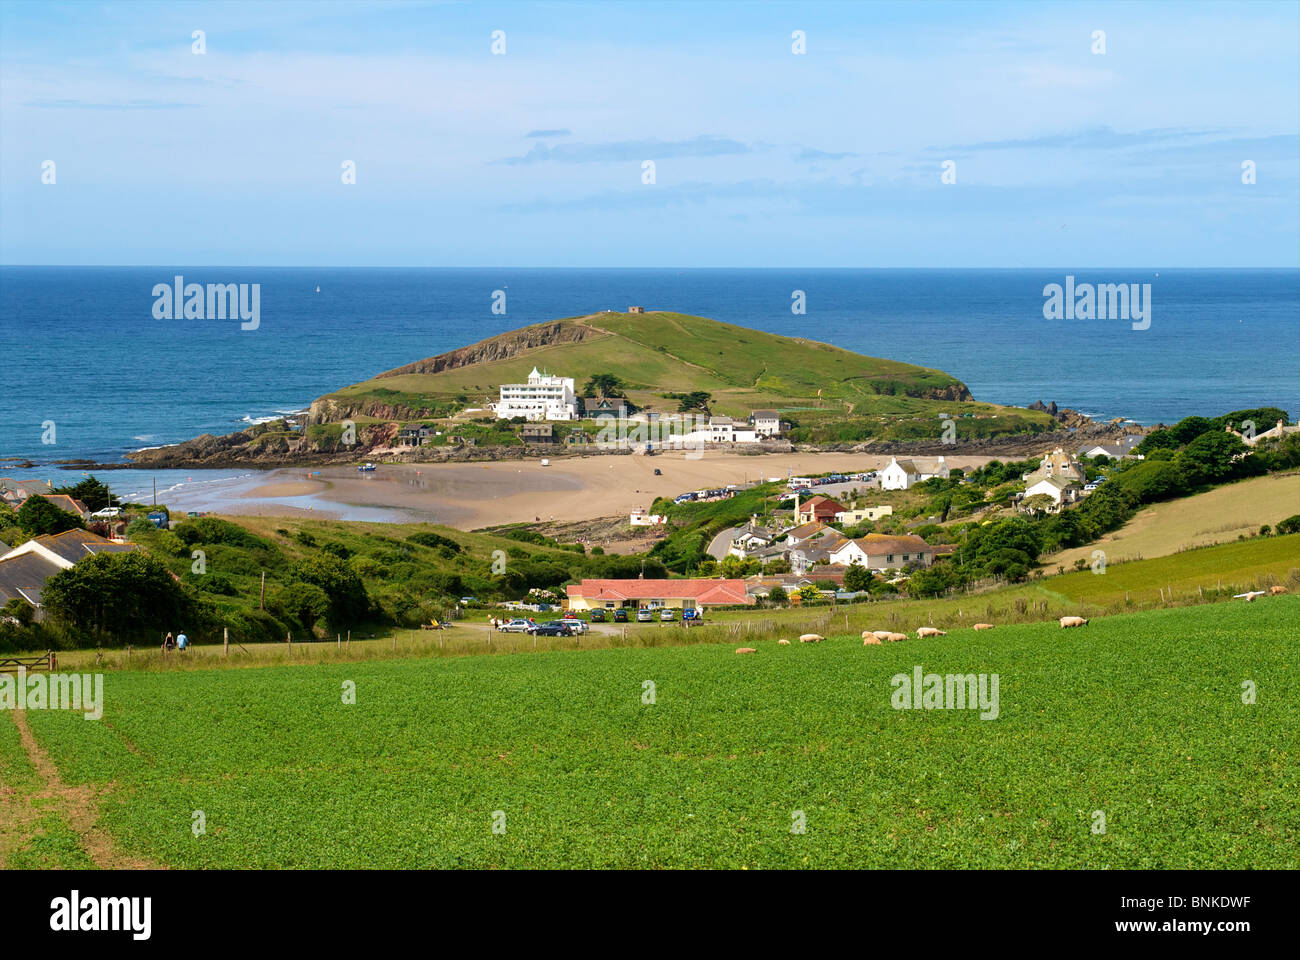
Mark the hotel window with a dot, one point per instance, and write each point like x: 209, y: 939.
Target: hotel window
x: 889, y: 559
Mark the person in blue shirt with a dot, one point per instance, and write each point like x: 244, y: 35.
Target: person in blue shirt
x: 182, y: 641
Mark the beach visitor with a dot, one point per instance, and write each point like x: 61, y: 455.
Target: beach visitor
x: 168, y: 641
x: 182, y: 641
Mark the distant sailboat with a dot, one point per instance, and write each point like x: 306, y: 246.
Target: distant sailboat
x: 318, y: 289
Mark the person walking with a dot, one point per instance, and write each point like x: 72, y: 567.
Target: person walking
x: 169, y: 642
x: 182, y: 641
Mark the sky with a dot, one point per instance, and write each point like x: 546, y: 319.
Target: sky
x: 533, y: 154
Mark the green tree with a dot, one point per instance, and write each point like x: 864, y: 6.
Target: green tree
x: 604, y: 385
x: 1290, y: 525
x: 123, y: 597
x: 348, y: 601
x: 302, y: 602
x: 91, y: 492
x: 778, y: 595
x: 37, y: 516
x: 857, y: 578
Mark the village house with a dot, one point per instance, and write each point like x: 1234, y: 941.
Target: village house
x: 766, y: 423
x: 636, y: 309
x: 817, y: 508
x: 14, y: 492
x: 543, y: 397
x: 683, y: 594
x: 867, y: 514
x: 68, y: 504
x: 415, y: 435
x: 603, y: 408
x: 1059, y: 464
x: 902, y: 474
x: 751, y: 539
x: 25, y: 568
x: 1276, y: 432
x: 1061, y: 490
x: 808, y: 531
x: 537, y: 433
x: 639, y: 518
x: 879, y: 552
x: 1121, y: 448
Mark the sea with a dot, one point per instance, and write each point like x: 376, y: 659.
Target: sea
x: 90, y: 373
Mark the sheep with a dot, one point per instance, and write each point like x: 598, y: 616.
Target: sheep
x: 1073, y: 622
x: 746, y: 650
x: 895, y: 637
x: 881, y: 634
x: 811, y: 638
x: 784, y: 643
x: 867, y: 633
x: 869, y: 638
x: 922, y: 632
x: 1275, y: 591
x: 983, y: 626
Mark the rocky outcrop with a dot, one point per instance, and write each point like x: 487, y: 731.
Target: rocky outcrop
x: 501, y: 347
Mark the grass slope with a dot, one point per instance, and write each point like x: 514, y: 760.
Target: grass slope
x: 1139, y: 716
x: 1216, y: 516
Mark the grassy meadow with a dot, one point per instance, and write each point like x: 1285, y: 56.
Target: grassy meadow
x: 1139, y: 716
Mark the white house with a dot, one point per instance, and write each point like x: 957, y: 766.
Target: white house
x: 639, y: 518
x: 1060, y: 489
x: 1122, y: 448
x: 767, y: 423
x: 901, y: 474
x: 543, y: 397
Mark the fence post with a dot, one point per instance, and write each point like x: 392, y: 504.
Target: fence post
x: 225, y: 642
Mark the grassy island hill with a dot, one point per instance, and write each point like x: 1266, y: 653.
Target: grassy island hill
x: 659, y: 354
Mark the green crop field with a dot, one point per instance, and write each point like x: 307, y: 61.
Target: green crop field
x: 1138, y: 716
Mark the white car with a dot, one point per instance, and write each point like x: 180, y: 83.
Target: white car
x: 107, y: 512
x: 517, y: 625
x: 576, y: 624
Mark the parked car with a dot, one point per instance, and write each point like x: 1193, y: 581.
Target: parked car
x: 667, y: 613
x: 620, y: 616
x: 644, y: 615
x: 598, y: 616
x: 517, y: 625
x: 575, y: 624
x: 107, y: 512
x: 553, y: 628
x: 693, y: 614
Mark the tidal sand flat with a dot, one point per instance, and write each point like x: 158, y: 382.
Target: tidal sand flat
x: 473, y: 495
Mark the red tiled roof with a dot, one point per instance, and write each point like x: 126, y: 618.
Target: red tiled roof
x: 699, y: 590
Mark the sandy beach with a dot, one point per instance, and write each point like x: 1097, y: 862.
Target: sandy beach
x: 474, y: 495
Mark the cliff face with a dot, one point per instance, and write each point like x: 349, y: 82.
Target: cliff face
x: 501, y: 347
x: 953, y: 392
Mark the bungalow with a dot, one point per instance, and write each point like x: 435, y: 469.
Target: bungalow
x: 819, y: 508
x: 69, y: 504
x: 766, y: 423
x: 879, y: 552
x: 25, y: 568
x: 902, y: 474
x: 684, y: 594
x: 869, y: 514
x: 1123, y: 447
x: 807, y: 531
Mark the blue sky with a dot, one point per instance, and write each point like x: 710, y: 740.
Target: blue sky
x: 1063, y: 157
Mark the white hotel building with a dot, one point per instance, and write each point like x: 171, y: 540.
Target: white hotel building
x: 543, y: 397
